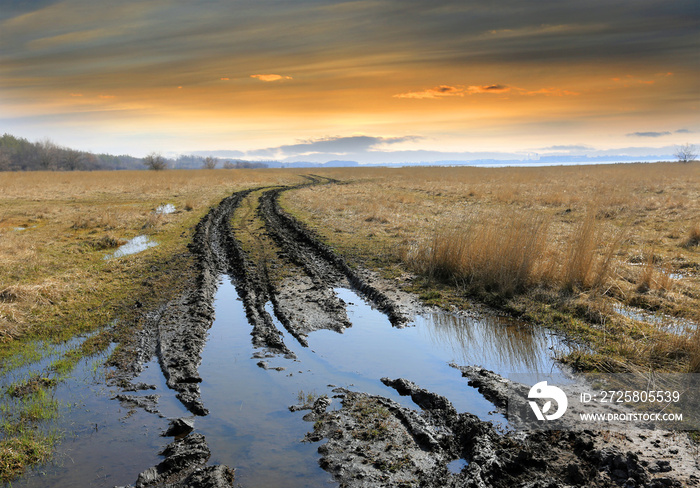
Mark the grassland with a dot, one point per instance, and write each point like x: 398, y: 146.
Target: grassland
x: 589, y: 250
x: 608, y: 254
x: 56, y: 229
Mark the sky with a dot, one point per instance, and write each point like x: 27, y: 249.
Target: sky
x: 366, y: 80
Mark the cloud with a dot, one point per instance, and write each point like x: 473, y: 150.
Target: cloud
x: 437, y: 92
x: 567, y: 148
x: 649, y: 134
x: 454, y: 91
x: 549, y: 92
x: 684, y: 131
x: 495, y: 89
x: 630, y: 80
x: 271, y: 77
x: 332, y: 145
x: 488, y: 89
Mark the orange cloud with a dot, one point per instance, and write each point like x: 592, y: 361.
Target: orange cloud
x: 76, y: 94
x: 496, y: 89
x: 630, y: 80
x: 549, y: 92
x: 437, y: 92
x: 107, y: 96
x: 489, y: 89
x: 225, y: 79
x: 271, y: 77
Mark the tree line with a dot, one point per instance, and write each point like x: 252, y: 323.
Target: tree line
x: 19, y: 154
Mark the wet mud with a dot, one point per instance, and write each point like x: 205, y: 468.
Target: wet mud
x: 369, y: 440
x: 373, y: 441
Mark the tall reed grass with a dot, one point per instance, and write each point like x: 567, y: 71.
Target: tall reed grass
x: 508, y: 254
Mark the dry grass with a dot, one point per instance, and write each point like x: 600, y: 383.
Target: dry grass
x: 55, y: 229
x: 576, y: 239
x: 693, y: 239
x: 499, y: 255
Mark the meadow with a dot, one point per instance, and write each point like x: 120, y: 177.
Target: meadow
x: 57, y: 231
x: 609, y: 255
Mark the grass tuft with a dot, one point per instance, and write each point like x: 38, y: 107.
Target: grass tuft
x: 693, y: 239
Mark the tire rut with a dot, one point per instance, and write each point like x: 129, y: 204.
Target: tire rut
x: 317, y: 259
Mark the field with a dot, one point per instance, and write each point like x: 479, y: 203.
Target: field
x: 585, y: 249
x: 608, y: 255
x: 55, y: 231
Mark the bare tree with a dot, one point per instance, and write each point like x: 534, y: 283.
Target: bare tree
x: 5, y: 160
x: 72, y: 160
x: 155, y: 162
x: 229, y: 165
x: 48, y: 153
x: 686, y: 153
x: 209, y: 163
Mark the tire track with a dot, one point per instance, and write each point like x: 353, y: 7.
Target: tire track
x: 317, y: 259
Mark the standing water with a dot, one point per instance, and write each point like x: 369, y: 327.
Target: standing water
x: 250, y: 426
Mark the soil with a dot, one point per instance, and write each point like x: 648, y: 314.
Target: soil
x: 371, y: 440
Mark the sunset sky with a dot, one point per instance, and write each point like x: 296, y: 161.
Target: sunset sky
x: 325, y: 79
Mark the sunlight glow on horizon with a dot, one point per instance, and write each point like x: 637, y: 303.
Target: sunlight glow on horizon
x: 250, y: 77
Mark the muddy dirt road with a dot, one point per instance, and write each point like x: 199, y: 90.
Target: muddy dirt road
x: 291, y: 287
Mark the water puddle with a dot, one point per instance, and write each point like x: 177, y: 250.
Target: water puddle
x: 135, y: 245
x: 102, y: 443
x: 165, y: 209
x: 664, y: 322
x: 456, y: 466
x: 250, y: 426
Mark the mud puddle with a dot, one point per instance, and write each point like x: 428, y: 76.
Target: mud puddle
x: 248, y: 390
x: 102, y: 443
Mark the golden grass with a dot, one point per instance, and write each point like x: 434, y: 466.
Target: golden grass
x: 574, y: 240
x: 55, y: 229
x: 498, y: 255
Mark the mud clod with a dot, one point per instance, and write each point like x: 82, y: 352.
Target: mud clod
x: 184, y: 467
x: 372, y: 441
x: 179, y: 427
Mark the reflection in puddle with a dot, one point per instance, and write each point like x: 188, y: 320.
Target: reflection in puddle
x: 250, y: 426
x: 103, y: 444
x: 168, y: 208
x: 135, y: 245
x: 457, y: 466
x: 495, y: 343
